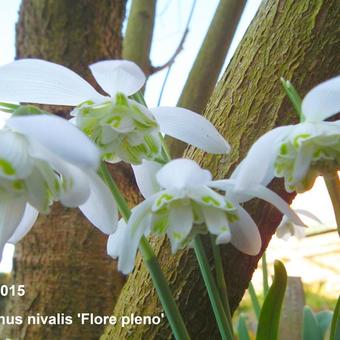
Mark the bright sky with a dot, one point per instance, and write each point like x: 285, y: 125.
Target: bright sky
x: 170, y: 24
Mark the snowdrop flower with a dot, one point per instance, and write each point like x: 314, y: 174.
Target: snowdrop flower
x: 288, y: 228
x: 184, y: 207
x: 121, y: 127
x: 44, y: 158
x: 296, y: 152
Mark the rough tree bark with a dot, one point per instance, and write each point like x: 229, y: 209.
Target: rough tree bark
x: 62, y: 262
x: 295, y: 39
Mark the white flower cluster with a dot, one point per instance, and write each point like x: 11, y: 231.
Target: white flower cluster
x: 44, y: 158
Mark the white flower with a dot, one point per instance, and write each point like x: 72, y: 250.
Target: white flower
x: 288, y: 228
x: 44, y: 158
x: 184, y: 207
x: 296, y: 151
x: 124, y: 129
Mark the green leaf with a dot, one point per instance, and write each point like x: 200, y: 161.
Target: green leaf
x: 294, y: 97
x: 9, y: 106
x: 242, y: 328
x: 254, y: 300
x: 335, y: 327
x: 324, y: 319
x: 269, y: 321
x: 311, y: 329
x: 28, y: 110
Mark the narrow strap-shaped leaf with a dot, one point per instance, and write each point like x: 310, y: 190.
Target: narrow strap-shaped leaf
x: 324, y: 319
x: 254, y: 300
x: 269, y: 320
x: 242, y: 328
x: 311, y: 329
x: 335, y: 327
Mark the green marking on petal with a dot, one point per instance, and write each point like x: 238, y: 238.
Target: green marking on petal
x: 160, y: 221
x: 152, y: 145
x: 224, y: 229
x: 115, y: 121
x: 177, y: 235
x: 232, y: 217
x: 212, y: 200
x: 7, y: 167
x: 163, y: 199
x: 284, y: 149
x: 18, y: 185
x: 298, y: 137
x: 229, y: 205
x: 121, y: 100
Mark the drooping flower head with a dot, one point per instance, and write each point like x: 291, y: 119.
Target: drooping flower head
x: 287, y: 228
x: 298, y: 152
x: 121, y: 127
x: 44, y: 158
x: 183, y: 207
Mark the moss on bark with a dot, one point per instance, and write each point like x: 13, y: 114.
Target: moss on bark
x: 298, y: 40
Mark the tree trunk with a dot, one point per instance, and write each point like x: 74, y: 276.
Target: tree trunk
x: 208, y: 63
x: 298, y: 40
x: 139, y: 32
x: 62, y: 262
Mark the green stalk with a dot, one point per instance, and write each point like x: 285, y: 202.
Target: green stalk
x: 159, y: 281
x: 254, y: 300
x: 333, y: 186
x: 265, y: 274
x: 220, y: 279
x: 214, y: 296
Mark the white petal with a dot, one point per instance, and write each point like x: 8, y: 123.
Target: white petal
x: 59, y: 136
x: 180, y: 224
x: 100, y: 208
x: 11, y: 213
x: 25, y: 225
x: 15, y: 150
x: 217, y: 223
x: 145, y: 175
x: 285, y: 229
x: 308, y: 214
x: 76, y: 190
x: 115, y: 241
x: 257, y: 167
x: 245, y: 235
x: 228, y: 185
x: 302, y: 162
x: 138, y: 224
x: 182, y: 173
x: 322, y: 101
x: 207, y: 197
x: 191, y: 128
x: 39, y: 81
x: 118, y: 76
x: 274, y: 199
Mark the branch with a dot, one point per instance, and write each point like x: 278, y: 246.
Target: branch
x: 155, y: 69
x: 139, y: 32
x: 209, y: 61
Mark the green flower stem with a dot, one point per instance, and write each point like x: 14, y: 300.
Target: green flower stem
x: 160, y: 283
x: 333, y: 186
x: 221, y: 318
x: 220, y: 279
x: 254, y: 300
x: 163, y: 290
x: 265, y: 274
